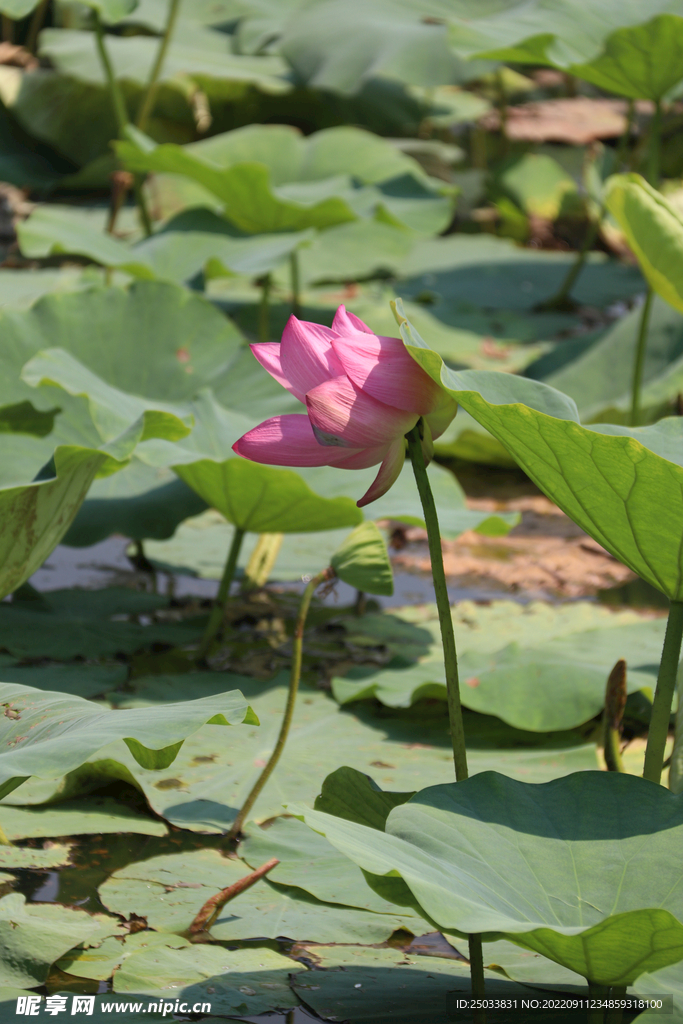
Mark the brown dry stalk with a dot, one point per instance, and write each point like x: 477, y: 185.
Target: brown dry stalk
x: 212, y: 908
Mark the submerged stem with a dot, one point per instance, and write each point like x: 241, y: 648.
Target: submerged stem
x: 664, y: 694
x: 639, y: 362
x: 218, y: 610
x: 442, y: 603
x: 294, y: 676
x: 153, y: 83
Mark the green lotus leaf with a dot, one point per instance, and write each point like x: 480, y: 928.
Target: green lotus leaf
x: 610, y: 45
x: 57, y: 855
x: 36, y: 515
x: 210, y: 779
x: 92, y: 815
x: 49, y: 734
x: 599, y: 379
x: 667, y: 982
x: 69, y: 624
x: 110, y: 10
x: 309, y: 862
x: 362, y: 561
x: 581, y: 870
x: 270, y: 180
x: 372, y: 985
x: 626, y: 67
x: 178, y: 253
x: 653, y: 229
x: 268, y: 909
x: 204, y: 55
x: 98, y: 963
x: 339, y: 45
x: 622, y: 485
x: 554, y: 682
x: 34, y: 936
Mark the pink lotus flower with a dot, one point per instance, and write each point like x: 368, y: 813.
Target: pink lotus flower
x: 362, y: 393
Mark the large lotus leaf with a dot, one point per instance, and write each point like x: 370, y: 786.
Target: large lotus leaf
x: 622, y: 485
x: 49, y: 734
x: 373, y: 986
x: 210, y: 779
x: 581, y: 869
x: 320, y: 156
x: 82, y: 623
x: 556, y: 684
x: 653, y: 229
x: 362, y: 561
x: 98, y: 963
x: 244, y: 189
x: 626, y: 66
x: 548, y: 31
x: 309, y: 862
x: 266, y: 910
x: 338, y: 45
x: 600, y: 379
x: 240, y: 981
x: 205, y: 55
x: 88, y: 816
x: 55, y: 855
x: 262, y: 499
x: 171, y: 255
x: 523, y: 965
x: 33, y: 937
x: 271, y: 180
x: 36, y: 515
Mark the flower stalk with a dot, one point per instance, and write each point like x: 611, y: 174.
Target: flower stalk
x: 294, y: 677
x: 457, y: 727
x: 153, y: 83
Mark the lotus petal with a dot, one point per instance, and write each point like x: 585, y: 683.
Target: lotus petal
x: 307, y: 356
x: 287, y: 441
x: 342, y: 414
x: 388, y: 473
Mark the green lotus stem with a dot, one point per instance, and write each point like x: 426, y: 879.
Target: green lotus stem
x: 264, y: 308
x: 443, y: 605
x: 664, y: 694
x: 654, y: 147
x: 294, y: 676
x: 122, y: 120
x: 296, y: 292
x: 218, y: 610
x: 615, y: 704
x: 153, y: 83
x: 115, y: 93
x: 7, y: 29
x: 36, y: 25
x: 477, y: 975
x: 639, y: 361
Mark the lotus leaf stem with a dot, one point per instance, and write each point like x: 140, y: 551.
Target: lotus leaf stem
x: 296, y: 284
x: 212, y: 908
x: 7, y: 29
x: 615, y: 704
x: 218, y: 610
x: 476, y: 954
x: 36, y: 25
x: 639, y: 362
x: 664, y: 694
x: 443, y: 605
x: 153, y: 83
x: 122, y: 120
x: 294, y: 676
